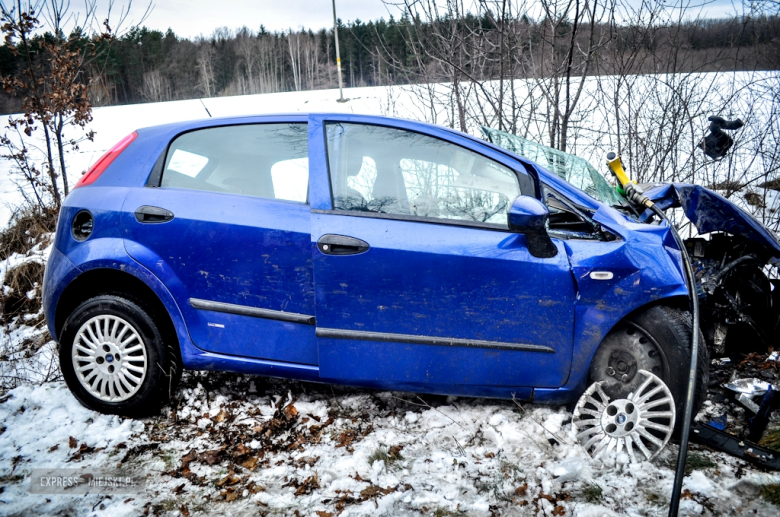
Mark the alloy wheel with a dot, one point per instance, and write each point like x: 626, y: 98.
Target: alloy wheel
x: 109, y: 358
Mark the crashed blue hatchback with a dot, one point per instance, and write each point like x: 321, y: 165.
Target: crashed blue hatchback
x: 391, y: 254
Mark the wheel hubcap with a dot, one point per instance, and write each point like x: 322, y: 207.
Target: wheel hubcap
x: 642, y: 423
x: 109, y: 358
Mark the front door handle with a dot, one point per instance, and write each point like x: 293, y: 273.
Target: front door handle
x: 341, y: 245
x: 153, y: 214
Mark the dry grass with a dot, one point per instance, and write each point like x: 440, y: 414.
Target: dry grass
x: 728, y: 185
x: 771, y: 438
x: 23, y: 279
x: 29, y: 227
x: 771, y: 494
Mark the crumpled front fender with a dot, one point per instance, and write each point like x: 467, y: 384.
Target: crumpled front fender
x: 646, y: 267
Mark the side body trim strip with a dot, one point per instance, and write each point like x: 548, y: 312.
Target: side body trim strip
x: 255, y: 312
x: 429, y: 340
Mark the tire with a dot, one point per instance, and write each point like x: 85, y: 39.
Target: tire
x: 114, y: 359
x: 657, y: 339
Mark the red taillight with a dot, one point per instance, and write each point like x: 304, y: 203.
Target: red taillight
x: 102, y: 164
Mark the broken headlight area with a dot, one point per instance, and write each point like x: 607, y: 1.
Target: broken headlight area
x: 739, y: 294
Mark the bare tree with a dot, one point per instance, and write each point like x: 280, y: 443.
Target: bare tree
x: 206, y: 55
x: 54, y: 81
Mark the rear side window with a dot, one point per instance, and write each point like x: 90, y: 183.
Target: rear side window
x: 260, y: 160
x: 393, y: 171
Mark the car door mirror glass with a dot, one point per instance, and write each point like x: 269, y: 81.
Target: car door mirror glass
x: 528, y: 215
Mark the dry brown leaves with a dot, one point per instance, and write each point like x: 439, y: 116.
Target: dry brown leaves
x: 373, y: 491
x: 554, y: 499
x: 220, y: 417
x: 229, y: 480
x: 307, y: 486
x: 250, y: 463
x: 136, y: 451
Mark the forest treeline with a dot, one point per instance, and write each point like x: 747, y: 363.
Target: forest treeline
x: 145, y: 65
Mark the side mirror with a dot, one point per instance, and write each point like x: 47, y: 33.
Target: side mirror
x: 528, y: 216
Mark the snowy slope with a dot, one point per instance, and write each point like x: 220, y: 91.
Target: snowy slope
x: 237, y: 445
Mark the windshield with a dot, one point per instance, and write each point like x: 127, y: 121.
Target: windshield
x: 576, y: 171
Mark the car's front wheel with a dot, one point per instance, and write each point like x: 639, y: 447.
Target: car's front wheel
x: 656, y: 340
x: 113, y: 357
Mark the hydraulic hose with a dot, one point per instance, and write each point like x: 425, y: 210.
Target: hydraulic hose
x: 674, y: 504
x: 637, y: 197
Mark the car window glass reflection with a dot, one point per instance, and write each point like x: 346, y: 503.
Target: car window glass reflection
x: 261, y: 160
x: 291, y: 179
x: 385, y: 170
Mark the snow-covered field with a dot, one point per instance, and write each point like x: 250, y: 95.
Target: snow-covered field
x: 240, y: 445
x: 749, y: 95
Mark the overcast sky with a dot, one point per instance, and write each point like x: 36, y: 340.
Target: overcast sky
x: 191, y: 18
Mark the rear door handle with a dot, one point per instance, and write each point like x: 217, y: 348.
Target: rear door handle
x: 153, y: 214
x: 341, y: 245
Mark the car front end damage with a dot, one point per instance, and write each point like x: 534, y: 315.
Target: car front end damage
x: 735, y: 259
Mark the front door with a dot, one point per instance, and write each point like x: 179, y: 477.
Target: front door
x: 419, y: 283
x: 228, y: 232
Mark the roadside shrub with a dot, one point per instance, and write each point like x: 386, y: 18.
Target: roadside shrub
x: 29, y: 226
x: 21, y: 291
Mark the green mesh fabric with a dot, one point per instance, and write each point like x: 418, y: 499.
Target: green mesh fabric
x: 570, y: 168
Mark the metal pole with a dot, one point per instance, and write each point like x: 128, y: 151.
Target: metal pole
x: 338, y: 55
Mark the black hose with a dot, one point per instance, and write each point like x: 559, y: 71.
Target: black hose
x: 674, y: 504
x: 725, y: 270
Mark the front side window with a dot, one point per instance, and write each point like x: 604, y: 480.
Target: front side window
x: 261, y: 160
x: 393, y: 171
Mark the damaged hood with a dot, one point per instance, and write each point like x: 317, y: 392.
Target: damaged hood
x: 711, y: 212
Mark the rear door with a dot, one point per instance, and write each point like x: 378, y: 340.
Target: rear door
x: 419, y: 283
x: 228, y: 231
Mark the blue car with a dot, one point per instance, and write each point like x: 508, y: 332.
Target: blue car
x: 371, y: 252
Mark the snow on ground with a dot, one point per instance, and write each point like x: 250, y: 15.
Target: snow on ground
x: 241, y: 445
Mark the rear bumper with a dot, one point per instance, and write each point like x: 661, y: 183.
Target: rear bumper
x: 58, y: 274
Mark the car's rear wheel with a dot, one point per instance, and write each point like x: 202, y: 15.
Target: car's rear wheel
x: 113, y: 357
x: 657, y: 340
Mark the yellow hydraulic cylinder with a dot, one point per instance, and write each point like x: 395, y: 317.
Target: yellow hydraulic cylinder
x: 616, y: 166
